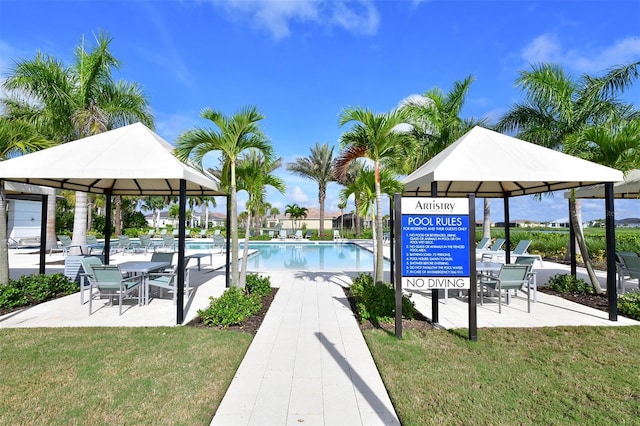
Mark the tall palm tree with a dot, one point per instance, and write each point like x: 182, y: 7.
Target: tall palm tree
x: 437, y: 123
x: 559, y: 109
x: 231, y: 136
x: 16, y: 138
x: 318, y: 167
x: 68, y: 103
x: 255, y: 173
x: 376, y: 137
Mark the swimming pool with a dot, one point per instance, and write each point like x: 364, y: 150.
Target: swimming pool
x: 306, y: 256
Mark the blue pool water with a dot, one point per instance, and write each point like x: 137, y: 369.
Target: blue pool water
x: 306, y: 256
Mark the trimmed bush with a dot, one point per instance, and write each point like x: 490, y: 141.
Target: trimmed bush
x: 235, y: 305
x: 258, y: 285
x: 377, y: 301
x: 629, y: 305
x: 232, y: 308
x: 565, y: 283
x: 33, y: 289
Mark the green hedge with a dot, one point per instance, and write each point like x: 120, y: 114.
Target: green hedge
x: 377, y: 301
x: 235, y: 305
x: 629, y: 305
x: 33, y: 289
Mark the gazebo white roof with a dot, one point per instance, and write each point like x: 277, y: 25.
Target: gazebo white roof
x: 628, y: 188
x: 130, y: 160
x: 493, y: 165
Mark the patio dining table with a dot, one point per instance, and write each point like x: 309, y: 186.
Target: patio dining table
x: 143, y: 268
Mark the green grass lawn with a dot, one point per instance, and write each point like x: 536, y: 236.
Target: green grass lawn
x: 563, y: 375
x: 98, y: 376
x: 178, y: 375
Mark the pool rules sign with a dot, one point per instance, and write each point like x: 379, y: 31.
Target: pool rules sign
x: 435, y: 243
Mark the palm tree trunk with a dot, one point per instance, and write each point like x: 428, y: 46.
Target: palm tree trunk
x: 486, y: 221
x: 4, y: 245
x: 379, y: 272
x: 245, y: 253
x: 234, y: 227
x: 52, y: 239
x: 357, y: 217
x: 118, y: 215
x: 80, y: 222
x: 575, y: 223
x: 322, y: 194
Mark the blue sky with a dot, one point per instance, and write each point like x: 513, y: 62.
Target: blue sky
x: 302, y: 62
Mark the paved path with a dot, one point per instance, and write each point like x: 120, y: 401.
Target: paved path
x: 308, y: 364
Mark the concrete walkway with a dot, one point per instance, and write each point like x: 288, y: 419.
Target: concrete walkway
x: 308, y: 363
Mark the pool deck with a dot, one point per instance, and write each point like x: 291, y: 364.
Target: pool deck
x: 308, y: 363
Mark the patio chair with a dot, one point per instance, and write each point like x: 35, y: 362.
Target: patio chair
x: 108, y: 281
x: 203, y: 233
x: 308, y: 235
x: 87, y: 264
x: 495, y: 247
x: 163, y: 257
x: 124, y: 244
x: 94, y: 244
x: 271, y: 234
x: 282, y: 234
x: 147, y: 243
x: 484, y: 243
x: 298, y: 235
x: 534, y: 279
x: 336, y: 235
x: 168, y: 280
x: 169, y: 242
x: 219, y: 243
x: 175, y: 233
x: 65, y: 245
x: 510, y: 277
x: 630, y: 263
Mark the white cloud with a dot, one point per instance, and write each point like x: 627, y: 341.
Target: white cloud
x: 548, y: 48
x: 277, y: 17
x: 297, y: 195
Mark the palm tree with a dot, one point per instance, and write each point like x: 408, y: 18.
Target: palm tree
x: 68, y: 103
x: 436, y: 121
x: 232, y: 136
x: 364, y: 191
x: 295, y: 213
x: 376, y: 137
x: 559, y: 110
x: 16, y: 138
x: 318, y: 167
x: 154, y: 203
x: 255, y: 173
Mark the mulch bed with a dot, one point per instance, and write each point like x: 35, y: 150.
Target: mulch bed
x: 596, y: 301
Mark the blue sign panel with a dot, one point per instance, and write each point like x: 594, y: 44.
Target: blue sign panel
x: 435, y: 243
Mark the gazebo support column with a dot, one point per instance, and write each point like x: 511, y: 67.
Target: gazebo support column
x: 43, y: 234
x: 612, y: 293
x: 107, y: 227
x: 181, y: 249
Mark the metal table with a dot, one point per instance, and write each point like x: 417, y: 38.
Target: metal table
x: 143, y: 268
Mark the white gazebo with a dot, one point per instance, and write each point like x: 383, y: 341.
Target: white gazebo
x: 492, y: 165
x: 130, y: 160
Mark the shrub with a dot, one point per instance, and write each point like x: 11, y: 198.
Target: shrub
x: 258, y: 285
x: 564, y: 283
x: 629, y: 305
x: 377, y: 301
x: 33, y: 289
x: 231, y: 308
